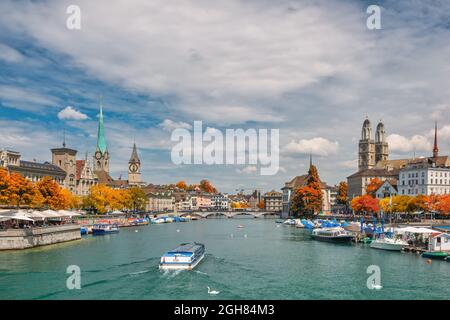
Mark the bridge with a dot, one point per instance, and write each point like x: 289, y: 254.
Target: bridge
x: 230, y: 214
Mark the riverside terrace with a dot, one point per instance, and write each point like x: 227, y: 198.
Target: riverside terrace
x: 20, y: 229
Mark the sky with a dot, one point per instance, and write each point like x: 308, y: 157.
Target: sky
x: 311, y: 69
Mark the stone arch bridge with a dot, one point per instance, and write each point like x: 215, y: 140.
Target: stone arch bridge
x: 231, y: 214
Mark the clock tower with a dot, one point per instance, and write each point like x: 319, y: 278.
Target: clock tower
x: 101, y: 155
x: 134, y: 168
x: 366, y: 155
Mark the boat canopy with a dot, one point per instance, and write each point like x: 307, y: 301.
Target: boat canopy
x: 416, y: 230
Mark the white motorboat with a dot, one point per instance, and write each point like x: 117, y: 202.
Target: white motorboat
x: 389, y: 244
x: 184, y: 257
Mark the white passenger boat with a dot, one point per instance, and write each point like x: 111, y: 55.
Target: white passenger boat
x: 389, y: 244
x: 336, y: 234
x: 184, y: 257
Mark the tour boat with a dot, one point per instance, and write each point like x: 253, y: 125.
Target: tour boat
x: 389, y: 244
x: 83, y: 230
x: 184, y: 257
x: 101, y: 229
x: 331, y: 235
x: 438, y: 255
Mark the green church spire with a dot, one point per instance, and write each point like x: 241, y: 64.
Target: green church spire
x: 101, y: 142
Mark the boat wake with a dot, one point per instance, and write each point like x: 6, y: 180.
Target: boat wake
x: 138, y: 272
x: 199, y: 272
x: 170, y: 273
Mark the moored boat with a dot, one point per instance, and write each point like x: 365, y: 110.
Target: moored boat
x: 184, y: 257
x: 101, y: 229
x: 389, y: 244
x: 438, y: 255
x: 331, y: 235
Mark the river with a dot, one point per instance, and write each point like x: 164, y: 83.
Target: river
x: 263, y: 260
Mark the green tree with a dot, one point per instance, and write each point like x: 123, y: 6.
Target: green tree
x: 137, y: 198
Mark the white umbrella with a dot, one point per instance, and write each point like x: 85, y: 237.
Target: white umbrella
x: 67, y: 213
x: 50, y: 214
x: 36, y: 215
x: 16, y: 215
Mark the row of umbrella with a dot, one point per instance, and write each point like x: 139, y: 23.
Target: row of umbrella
x: 35, y: 215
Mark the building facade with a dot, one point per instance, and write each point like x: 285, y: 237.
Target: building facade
x: 85, y: 177
x: 65, y: 159
x: 31, y: 170
x: 424, y: 177
x: 273, y: 201
x: 220, y: 202
x: 160, y: 201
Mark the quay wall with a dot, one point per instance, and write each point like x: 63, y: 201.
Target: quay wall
x: 14, y: 239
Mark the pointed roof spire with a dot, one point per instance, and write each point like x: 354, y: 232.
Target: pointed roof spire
x: 435, y: 148
x: 134, y: 156
x: 310, y: 159
x: 101, y: 141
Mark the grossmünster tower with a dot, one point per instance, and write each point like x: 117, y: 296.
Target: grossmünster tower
x: 372, y: 151
x: 101, y: 155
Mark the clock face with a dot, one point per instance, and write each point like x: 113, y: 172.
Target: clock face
x: 133, y: 168
x: 98, y: 155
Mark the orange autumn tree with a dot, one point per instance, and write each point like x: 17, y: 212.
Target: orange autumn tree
x: 443, y: 204
x: 308, y: 199
x: 4, y: 186
x: 51, y: 194
x: 21, y: 190
x: 417, y: 203
x: 206, y: 186
x: 342, y: 192
x: 365, y: 204
x: 373, y: 186
x: 181, y: 184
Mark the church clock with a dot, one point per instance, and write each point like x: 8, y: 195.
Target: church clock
x: 133, y: 168
x: 98, y: 155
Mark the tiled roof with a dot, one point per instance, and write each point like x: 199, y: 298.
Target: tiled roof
x: 104, y: 177
x: 301, y: 181
x: 375, y: 173
x: 36, y: 166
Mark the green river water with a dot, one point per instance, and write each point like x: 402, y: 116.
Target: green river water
x: 263, y: 260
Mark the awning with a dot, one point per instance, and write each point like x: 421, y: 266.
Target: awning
x: 15, y: 215
x: 416, y: 230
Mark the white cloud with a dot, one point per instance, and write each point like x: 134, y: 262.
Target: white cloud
x: 248, y: 170
x: 317, y: 146
x: 403, y: 144
x: 26, y: 99
x: 69, y: 113
x: 170, y: 125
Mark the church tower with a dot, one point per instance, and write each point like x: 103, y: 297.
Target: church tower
x: 435, y: 147
x: 134, y: 167
x: 381, y: 146
x: 65, y: 158
x: 101, y: 156
x: 366, y: 156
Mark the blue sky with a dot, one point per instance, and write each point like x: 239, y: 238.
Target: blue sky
x: 309, y: 68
